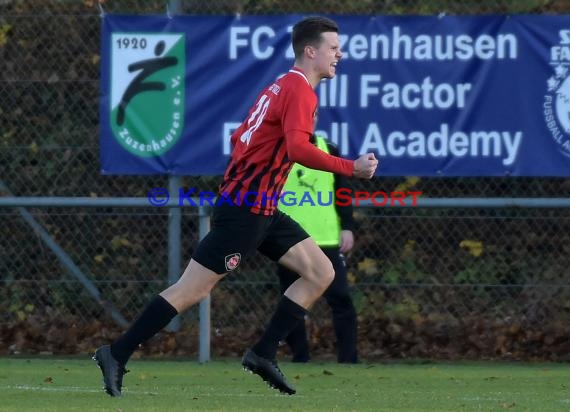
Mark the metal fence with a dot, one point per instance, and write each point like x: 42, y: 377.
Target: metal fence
x: 438, y: 282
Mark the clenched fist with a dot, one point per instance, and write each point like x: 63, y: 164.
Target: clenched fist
x: 365, y: 166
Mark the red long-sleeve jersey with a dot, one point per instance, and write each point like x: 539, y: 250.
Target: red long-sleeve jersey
x: 274, y: 135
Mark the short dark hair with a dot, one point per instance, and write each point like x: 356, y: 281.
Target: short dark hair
x: 308, y: 31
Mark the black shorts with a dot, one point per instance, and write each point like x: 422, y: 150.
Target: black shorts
x: 236, y: 233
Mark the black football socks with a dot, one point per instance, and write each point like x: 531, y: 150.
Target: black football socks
x: 287, y: 315
x: 155, y: 316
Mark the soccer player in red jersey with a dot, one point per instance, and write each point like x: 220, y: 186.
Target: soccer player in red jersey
x: 274, y: 135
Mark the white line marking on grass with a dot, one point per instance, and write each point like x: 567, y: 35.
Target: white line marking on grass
x: 246, y: 395
x: 479, y: 399
x: 76, y: 389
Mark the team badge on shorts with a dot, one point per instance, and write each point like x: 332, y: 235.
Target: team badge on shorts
x: 232, y: 261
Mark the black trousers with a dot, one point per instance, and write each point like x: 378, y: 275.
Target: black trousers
x: 343, y: 312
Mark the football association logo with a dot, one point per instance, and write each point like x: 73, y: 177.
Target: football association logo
x: 557, y: 99
x: 147, y: 91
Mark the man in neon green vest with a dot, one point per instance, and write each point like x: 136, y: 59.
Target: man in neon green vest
x: 332, y: 228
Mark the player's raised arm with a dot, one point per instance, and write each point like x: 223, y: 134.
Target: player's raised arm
x: 300, y: 150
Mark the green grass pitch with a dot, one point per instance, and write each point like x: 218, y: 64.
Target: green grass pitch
x: 47, y: 384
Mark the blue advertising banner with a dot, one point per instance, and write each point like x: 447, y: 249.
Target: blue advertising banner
x: 430, y: 96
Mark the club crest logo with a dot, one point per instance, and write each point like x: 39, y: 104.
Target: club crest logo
x: 147, y: 91
x: 557, y: 99
x: 232, y: 261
